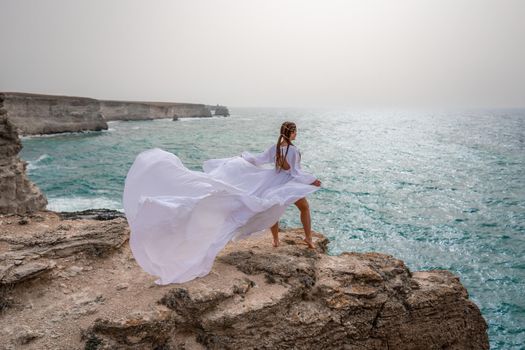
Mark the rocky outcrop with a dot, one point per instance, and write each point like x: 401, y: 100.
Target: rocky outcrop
x: 124, y: 110
x: 92, y: 214
x: 26, y: 254
x: 47, y: 114
x: 17, y: 193
x: 220, y: 110
x: 66, y: 296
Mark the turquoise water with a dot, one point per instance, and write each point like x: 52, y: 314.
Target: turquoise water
x: 439, y: 190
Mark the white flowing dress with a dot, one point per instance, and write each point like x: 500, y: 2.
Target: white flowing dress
x: 181, y: 219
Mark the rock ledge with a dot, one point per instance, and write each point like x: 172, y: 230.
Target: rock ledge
x: 72, y: 284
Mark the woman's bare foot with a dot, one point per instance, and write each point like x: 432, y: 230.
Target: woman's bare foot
x: 310, y: 244
x: 276, y: 243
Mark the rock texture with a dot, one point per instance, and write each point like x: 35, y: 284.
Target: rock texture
x: 17, y: 193
x: 122, y: 110
x: 47, y: 114
x: 220, y: 110
x: 65, y: 295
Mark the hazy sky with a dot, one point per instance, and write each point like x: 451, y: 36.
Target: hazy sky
x: 296, y: 53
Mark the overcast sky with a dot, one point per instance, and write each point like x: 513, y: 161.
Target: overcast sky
x: 295, y: 53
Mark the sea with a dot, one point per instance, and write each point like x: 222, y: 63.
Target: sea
x: 440, y: 190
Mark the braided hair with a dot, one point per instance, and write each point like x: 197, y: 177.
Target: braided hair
x: 286, y: 130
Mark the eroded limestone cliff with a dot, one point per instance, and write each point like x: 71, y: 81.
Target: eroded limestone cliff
x: 123, y: 110
x: 17, y: 193
x: 47, y: 114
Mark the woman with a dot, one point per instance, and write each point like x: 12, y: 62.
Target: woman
x: 180, y: 219
x: 287, y: 157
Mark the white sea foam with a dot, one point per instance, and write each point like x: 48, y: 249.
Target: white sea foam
x: 202, y: 118
x: 34, y: 164
x: 82, y: 203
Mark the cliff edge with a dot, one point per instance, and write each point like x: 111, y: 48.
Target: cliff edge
x: 73, y: 284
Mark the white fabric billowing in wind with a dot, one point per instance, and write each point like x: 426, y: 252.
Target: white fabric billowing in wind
x: 180, y: 219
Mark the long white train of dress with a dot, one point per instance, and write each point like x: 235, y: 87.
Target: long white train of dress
x: 181, y: 219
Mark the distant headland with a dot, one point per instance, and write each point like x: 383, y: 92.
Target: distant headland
x: 34, y: 114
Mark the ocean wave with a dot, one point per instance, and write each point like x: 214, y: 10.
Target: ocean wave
x: 187, y: 119
x: 35, y: 164
x: 82, y: 203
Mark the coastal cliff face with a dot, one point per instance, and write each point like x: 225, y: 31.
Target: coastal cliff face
x: 46, y: 114
x: 70, y: 284
x: 17, y: 193
x: 122, y: 110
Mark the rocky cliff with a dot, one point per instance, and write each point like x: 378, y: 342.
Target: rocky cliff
x: 47, y: 114
x: 17, y: 193
x: 74, y: 284
x: 122, y: 110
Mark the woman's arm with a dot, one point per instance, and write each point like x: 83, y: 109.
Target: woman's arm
x: 296, y: 171
x: 259, y: 158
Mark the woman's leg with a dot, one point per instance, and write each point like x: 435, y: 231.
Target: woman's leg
x: 303, y: 206
x: 275, y: 234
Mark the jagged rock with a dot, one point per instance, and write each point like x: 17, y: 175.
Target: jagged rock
x: 92, y: 214
x: 256, y: 296
x: 28, y: 335
x: 17, y: 194
x: 121, y: 286
x: 291, y: 297
x: 220, y: 110
x: 25, y: 256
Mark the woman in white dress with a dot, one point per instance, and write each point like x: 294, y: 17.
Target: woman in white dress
x: 288, y: 151
x: 181, y: 219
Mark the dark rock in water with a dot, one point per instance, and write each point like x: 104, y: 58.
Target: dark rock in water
x: 220, y: 110
x: 92, y: 214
